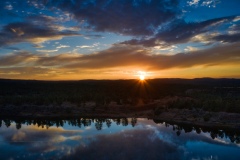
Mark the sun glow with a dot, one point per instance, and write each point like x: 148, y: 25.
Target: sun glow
x: 141, y: 75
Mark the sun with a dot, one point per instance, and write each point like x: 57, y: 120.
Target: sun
x: 141, y: 77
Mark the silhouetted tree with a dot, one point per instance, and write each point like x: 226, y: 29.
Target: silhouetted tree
x: 198, y: 130
x: 118, y: 121
x: 98, y: 124
x: 188, y: 129
x: 221, y: 134
x: 133, y: 121
x: 86, y: 122
x: 79, y: 123
x: 124, y: 121
x: 213, y: 135
x: 7, y: 122
x: 108, y: 122
x: 18, y: 125
x: 178, y: 133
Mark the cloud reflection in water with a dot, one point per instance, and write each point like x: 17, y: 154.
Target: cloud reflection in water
x: 146, y: 140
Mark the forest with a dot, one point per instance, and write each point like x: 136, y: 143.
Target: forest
x: 207, y: 94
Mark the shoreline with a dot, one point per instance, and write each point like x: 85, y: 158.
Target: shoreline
x: 195, y: 117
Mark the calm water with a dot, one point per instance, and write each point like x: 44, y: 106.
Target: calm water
x: 113, y: 139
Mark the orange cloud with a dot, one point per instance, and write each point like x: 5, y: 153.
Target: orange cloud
x: 118, y: 57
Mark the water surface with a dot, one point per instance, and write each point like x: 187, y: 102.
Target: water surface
x: 125, y: 138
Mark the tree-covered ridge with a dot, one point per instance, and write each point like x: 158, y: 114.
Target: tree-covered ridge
x: 207, y: 94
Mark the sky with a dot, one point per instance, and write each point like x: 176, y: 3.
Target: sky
x: 119, y: 39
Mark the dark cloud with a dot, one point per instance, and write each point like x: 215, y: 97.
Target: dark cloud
x: 12, y: 48
x: 156, y: 22
x: 231, y: 38
x: 180, y: 31
x: 152, y: 22
x: 35, y: 29
x: 130, y: 17
x: 135, y: 144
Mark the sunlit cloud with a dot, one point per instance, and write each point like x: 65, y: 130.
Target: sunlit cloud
x: 62, y: 46
x: 60, y: 38
x: 47, y: 51
x: 190, y: 49
x: 84, y: 46
x: 119, y: 56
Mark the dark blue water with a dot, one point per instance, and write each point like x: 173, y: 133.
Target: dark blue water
x: 114, y: 139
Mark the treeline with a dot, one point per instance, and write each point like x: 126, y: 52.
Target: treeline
x: 232, y: 135
x: 102, y: 92
x: 79, y: 122
x: 208, y: 94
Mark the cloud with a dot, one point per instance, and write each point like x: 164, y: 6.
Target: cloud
x: 129, y: 17
x: 236, y: 19
x: 134, y: 144
x: 210, y: 3
x: 35, y: 30
x: 193, y: 2
x: 190, y: 49
x: 118, y: 56
x: 9, y: 7
x: 16, y: 59
x: 87, y: 46
x: 206, y: 3
x: 144, y: 141
x: 152, y: 23
x: 37, y: 140
x: 47, y: 51
x: 62, y: 46
x: 84, y: 46
x: 231, y: 38
x: 181, y: 32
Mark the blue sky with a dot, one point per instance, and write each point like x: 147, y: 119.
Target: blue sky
x: 112, y: 39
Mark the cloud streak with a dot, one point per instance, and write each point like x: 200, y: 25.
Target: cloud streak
x: 122, y: 56
x: 182, y: 32
x: 35, y: 30
x: 129, y: 17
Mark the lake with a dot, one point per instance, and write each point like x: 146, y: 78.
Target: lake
x: 121, y: 138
